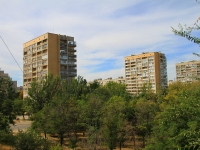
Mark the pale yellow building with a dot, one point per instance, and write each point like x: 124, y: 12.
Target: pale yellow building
x: 187, y: 71
x: 49, y: 53
x: 150, y: 67
x: 105, y: 81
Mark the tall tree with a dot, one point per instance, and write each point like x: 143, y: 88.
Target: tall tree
x: 7, y: 96
x: 177, y: 125
x: 114, y: 123
x: 42, y: 92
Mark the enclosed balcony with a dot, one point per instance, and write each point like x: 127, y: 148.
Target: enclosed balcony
x: 71, y: 43
x: 63, y: 57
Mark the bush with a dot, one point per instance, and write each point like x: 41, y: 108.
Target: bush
x: 30, y: 140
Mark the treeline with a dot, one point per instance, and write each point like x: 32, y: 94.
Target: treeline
x: 107, y: 116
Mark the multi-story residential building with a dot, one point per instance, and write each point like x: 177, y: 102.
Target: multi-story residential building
x: 6, y: 76
x: 49, y: 53
x: 170, y: 82
x: 144, y: 68
x: 118, y: 80
x: 187, y: 71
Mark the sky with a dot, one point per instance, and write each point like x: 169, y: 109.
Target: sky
x: 106, y: 31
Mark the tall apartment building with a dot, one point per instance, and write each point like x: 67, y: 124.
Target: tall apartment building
x: 187, y: 71
x: 145, y: 68
x: 49, y: 53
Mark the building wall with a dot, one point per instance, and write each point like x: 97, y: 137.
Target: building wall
x: 105, y: 81
x: 145, y: 68
x: 4, y: 75
x: 54, y: 54
x: 187, y: 71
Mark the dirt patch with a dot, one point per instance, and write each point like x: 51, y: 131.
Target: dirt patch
x: 4, y: 147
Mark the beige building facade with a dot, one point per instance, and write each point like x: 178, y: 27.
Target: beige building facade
x: 117, y: 80
x: 187, y: 71
x: 150, y: 67
x: 49, y: 53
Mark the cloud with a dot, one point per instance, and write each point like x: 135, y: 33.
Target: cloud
x: 105, y: 32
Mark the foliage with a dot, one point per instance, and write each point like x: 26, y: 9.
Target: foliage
x: 7, y: 96
x: 114, y: 122
x: 178, y: 124
x: 30, y: 140
x: 42, y: 92
x: 6, y: 137
x: 108, y: 115
x: 19, y: 107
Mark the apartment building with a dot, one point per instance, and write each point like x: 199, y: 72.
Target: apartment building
x: 49, y: 53
x: 187, y: 71
x: 6, y: 76
x: 150, y: 67
x: 117, y: 80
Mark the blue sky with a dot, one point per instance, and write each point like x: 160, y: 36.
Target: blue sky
x: 105, y: 31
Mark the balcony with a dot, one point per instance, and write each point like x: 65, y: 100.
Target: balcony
x: 63, y: 57
x: 44, y: 62
x: 62, y: 51
x: 34, y: 65
x: 71, y: 43
x: 71, y: 55
x: 67, y: 63
x: 44, y: 57
x: 72, y: 68
x: 72, y: 74
x: 72, y: 49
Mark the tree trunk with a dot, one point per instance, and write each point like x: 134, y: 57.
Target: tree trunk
x: 61, y: 139
x: 134, y: 142
x: 143, y: 141
x: 23, y: 116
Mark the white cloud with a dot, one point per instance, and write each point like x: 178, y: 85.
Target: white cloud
x: 101, y: 34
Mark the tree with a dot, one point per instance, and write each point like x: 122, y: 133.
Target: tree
x: 93, y: 119
x: 7, y: 96
x: 145, y: 112
x: 41, y: 121
x: 114, y: 123
x: 117, y: 89
x: 18, y: 106
x: 30, y: 140
x: 177, y: 125
x: 42, y: 92
x: 187, y: 31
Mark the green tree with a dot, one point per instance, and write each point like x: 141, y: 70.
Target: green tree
x: 145, y: 112
x: 189, y: 32
x: 42, y: 92
x: 114, y: 123
x: 30, y: 140
x: 177, y: 125
x: 93, y: 119
x: 41, y: 122
x: 117, y: 89
x: 7, y: 96
x: 18, y: 106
